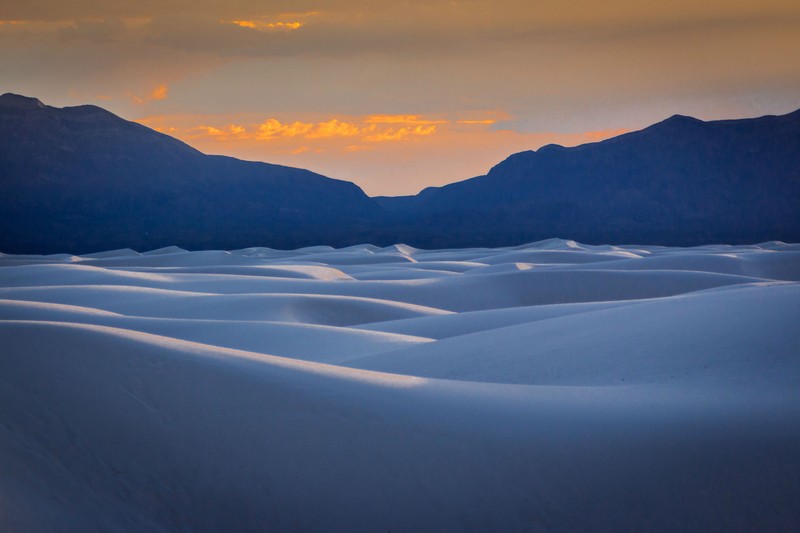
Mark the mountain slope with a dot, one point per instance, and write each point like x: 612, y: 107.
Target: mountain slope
x: 82, y: 179
x: 681, y: 181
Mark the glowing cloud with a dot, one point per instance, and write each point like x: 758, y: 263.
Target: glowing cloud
x: 272, y: 129
x: 401, y: 119
x: 369, y: 129
x: 261, y: 25
x: 226, y: 133
x: 368, y: 148
x: 401, y: 134
x: 334, y: 128
x: 486, y: 122
x: 281, y: 22
x: 159, y: 92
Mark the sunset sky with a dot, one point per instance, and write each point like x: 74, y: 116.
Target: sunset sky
x: 400, y: 95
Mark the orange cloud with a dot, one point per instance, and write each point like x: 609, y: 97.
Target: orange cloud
x: 281, y: 22
x: 486, y: 122
x: 334, y: 128
x: 369, y: 129
x: 169, y: 130
x: 401, y: 134
x: 401, y: 119
x: 159, y: 92
x: 226, y: 133
x: 266, y: 26
x: 272, y: 129
x: 384, y: 156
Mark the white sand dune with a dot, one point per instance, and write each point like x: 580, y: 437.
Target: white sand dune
x: 742, y: 336
x: 301, y: 341
x: 550, y: 386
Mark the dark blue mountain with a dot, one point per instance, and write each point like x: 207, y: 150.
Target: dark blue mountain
x: 681, y: 182
x: 82, y: 179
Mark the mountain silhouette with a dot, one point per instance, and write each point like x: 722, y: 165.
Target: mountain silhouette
x: 81, y: 179
x: 682, y: 181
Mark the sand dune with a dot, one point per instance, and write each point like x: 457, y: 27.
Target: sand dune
x: 550, y: 386
x: 742, y: 336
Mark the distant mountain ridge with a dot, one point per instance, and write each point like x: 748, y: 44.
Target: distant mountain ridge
x: 81, y: 179
x: 679, y: 182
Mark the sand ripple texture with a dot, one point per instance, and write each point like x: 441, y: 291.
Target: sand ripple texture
x: 553, y: 386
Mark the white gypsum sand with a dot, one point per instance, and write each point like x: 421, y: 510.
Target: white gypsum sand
x: 551, y: 386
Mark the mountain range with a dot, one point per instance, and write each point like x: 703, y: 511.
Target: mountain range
x: 81, y: 179
x: 679, y: 182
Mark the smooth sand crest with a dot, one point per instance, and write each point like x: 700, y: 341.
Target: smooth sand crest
x: 549, y: 386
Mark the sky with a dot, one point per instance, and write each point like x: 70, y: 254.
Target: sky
x: 400, y: 95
